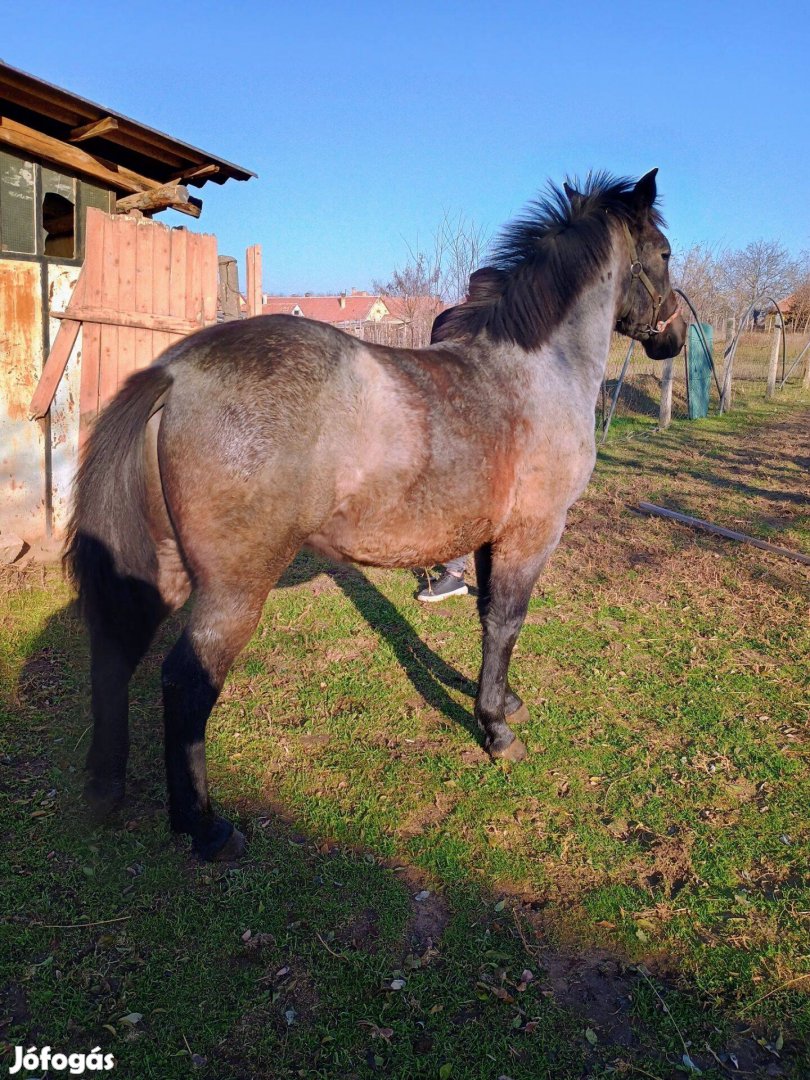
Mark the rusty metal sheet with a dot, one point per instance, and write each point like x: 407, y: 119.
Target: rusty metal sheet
x: 65, y: 406
x: 22, y: 447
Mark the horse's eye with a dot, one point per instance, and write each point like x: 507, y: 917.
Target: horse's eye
x: 665, y: 255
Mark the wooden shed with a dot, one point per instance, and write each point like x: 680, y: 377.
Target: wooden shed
x: 91, y: 287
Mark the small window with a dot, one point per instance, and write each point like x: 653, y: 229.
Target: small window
x: 17, y: 205
x: 90, y: 195
x: 58, y: 215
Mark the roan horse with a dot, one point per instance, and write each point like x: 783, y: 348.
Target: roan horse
x: 248, y: 440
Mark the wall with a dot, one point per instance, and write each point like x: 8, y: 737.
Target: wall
x: 22, y: 442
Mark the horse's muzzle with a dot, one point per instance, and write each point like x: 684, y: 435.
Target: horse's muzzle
x: 668, y: 342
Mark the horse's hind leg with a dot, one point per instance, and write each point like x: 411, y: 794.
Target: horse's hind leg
x: 118, y: 640
x: 221, y: 624
x: 505, y: 581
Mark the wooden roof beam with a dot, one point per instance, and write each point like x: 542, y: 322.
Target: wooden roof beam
x: 130, y: 138
x: 97, y: 127
x: 195, y: 172
x: 168, y: 197
x: 30, y: 98
x: 70, y: 157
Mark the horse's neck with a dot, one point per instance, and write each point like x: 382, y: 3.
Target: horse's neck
x: 582, y: 339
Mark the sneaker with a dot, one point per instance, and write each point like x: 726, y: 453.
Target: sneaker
x: 439, y: 589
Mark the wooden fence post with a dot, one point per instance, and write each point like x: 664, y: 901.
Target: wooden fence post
x: 254, y: 280
x: 806, y: 379
x: 665, y: 411
x: 725, y: 392
x: 770, y: 388
x: 228, y: 287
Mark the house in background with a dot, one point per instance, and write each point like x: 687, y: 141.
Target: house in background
x: 412, y: 317
x: 796, y: 309
x: 350, y: 312
x: 90, y: 287
x: 390, y: 320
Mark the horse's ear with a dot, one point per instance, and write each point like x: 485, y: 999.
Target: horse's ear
x: 645, y: 191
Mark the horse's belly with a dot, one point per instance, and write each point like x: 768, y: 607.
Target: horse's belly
x: 397, y: 537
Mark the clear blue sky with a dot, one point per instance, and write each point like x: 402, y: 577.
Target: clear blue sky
x: 364, y: 121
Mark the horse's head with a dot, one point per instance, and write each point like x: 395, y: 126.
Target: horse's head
x: 647, y: 308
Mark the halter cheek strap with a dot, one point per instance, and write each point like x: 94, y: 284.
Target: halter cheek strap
x: 638, y: 273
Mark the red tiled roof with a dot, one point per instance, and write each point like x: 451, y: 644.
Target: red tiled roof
x: 322, y: 308
x: 402, y: 310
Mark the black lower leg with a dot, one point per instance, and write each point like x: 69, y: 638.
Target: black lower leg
x: 189, y: 696
x: 491, y: 703
x: 502, y: 605
x: 114, y: 658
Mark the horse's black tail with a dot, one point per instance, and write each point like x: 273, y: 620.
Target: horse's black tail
x: 110, y: 553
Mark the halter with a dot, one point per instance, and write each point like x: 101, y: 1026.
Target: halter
x: 638, y: 273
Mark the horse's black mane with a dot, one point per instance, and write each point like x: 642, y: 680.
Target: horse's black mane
x: 542, y: 261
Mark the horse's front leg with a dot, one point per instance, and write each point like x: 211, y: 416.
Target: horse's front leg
x: 515, y: 710
x: 505, y: 582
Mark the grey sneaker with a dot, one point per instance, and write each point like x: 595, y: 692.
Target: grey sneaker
x: 447, y: 585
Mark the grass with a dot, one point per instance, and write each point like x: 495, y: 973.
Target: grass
x: 647, y: 865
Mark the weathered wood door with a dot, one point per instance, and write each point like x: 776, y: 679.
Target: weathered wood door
x: 142, y: 287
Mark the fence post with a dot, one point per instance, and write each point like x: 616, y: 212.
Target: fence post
x: 806, y: 379
x: 725, y: 393
x: 665, y: 412
x: 228, y: 287
x: 254, y: 280
x: 770, y: 388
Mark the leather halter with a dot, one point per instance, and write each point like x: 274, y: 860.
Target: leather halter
x: 638, y: 273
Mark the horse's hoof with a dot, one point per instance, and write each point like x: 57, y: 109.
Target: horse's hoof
x: 233, y: 848
x: 515, y: 751
x: 520, y: 715
x: 103, y: 797
x: 223, y: 843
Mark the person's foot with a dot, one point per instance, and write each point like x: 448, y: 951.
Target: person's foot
x: 447, y: 585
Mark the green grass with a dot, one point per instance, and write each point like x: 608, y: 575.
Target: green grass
x: 656, y: 838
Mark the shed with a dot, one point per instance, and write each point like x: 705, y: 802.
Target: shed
x: 91, y: 287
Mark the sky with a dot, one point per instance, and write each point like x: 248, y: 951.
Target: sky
x: 367, y: 122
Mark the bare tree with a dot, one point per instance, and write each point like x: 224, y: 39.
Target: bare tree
x: 698, y: 272
x: 462, y: 243
x: 414, y: 296
x: 764, y: 266
x: 435, y: 274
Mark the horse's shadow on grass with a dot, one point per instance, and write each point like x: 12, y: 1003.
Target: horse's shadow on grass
x: 299, y: 889
x: 427, y: 671
x: 52, y: 704
x: 429, y: 674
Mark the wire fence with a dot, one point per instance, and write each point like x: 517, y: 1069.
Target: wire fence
x: 632, y: 390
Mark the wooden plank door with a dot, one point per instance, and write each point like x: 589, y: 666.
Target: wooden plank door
x: 144, y: 287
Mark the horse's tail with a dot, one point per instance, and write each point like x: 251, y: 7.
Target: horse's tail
x: 110, y: 553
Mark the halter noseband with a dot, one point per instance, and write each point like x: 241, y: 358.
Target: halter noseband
x: 638, y: 273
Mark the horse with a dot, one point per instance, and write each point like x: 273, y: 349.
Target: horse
x: 249, y: 440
